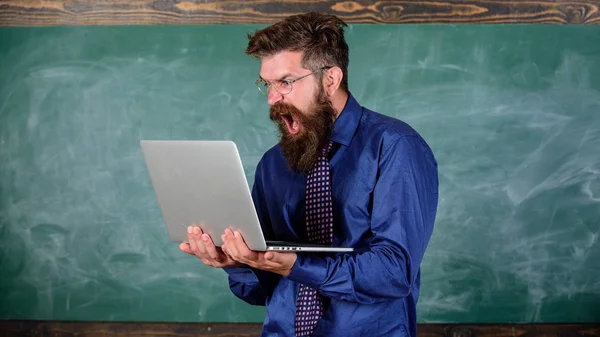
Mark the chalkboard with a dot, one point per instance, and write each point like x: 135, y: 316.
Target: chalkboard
x: 511, y: 112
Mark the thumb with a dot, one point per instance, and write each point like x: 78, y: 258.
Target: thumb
x: 271, y: 256
x: 185, y: 247
x: 224, y: 250
x: 278, y: 257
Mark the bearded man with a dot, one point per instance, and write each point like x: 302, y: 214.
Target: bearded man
x: 377, y: 193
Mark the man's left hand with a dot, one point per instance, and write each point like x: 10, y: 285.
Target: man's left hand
x: 277, y: 262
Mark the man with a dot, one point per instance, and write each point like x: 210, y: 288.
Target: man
x: 379, y: 190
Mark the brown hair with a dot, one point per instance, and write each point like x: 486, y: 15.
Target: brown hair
x: 319, y: 36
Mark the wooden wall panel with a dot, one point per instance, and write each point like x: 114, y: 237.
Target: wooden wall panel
x: 137, y: 12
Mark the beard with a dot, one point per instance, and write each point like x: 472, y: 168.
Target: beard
x: 301, y: 150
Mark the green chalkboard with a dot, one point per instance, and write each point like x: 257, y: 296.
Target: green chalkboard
x: 511, y: 112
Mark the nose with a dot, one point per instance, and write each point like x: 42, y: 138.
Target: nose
x: 274, y: 96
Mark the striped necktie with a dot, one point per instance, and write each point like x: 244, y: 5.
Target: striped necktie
x: 319, y: 226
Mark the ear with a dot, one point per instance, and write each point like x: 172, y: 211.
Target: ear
x: 332, y: 78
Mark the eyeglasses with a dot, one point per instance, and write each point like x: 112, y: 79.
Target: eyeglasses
x: 283, y: 87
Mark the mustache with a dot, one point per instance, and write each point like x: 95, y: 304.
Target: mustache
x: 276, y: 111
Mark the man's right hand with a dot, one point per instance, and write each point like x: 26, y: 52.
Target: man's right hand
x: 201, y: 245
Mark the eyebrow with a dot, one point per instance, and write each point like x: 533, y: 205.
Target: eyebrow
x: 279, y: 79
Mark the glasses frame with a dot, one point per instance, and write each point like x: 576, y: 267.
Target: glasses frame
x: 269, y: 84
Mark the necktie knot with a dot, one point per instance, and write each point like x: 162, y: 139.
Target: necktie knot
x: 325, y: 151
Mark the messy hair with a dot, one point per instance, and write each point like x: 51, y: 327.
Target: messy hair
x: 319, y: 36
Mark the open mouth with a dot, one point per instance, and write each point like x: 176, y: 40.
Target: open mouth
x: 291, y: 123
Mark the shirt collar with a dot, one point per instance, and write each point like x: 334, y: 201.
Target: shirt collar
x: 347, y: 122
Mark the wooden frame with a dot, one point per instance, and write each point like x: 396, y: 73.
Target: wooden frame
x: 85, y: 329
x: 151, y: 12
x: 171, y: 12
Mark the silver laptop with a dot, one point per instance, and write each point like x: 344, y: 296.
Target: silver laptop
x: 202, y: 183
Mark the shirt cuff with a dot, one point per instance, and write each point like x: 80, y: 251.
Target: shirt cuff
x: 241, y: 274
x: 309, y: 270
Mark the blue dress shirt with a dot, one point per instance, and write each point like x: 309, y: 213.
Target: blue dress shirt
x: 385, y: 193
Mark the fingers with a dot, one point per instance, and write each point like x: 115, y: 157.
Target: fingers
x: 210, y: 248
x: 238, y: 250
x: 185, y: 247
x: 280, y: 262
x: 195, y: 241
x: 229, y: 244
x: 242, y: 249
x: 275, y: 258
x: 233, y: 252
x: 202, y: 246
x: 224, y: 250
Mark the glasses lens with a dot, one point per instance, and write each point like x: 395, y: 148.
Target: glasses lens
x: 262, y: 87
x: 284, y: 87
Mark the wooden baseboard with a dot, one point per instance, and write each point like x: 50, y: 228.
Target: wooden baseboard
x: 13, y: 328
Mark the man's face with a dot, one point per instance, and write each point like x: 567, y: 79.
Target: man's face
x: 304, y: 116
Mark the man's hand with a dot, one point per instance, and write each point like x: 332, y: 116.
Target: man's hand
x: 201, y: 245
x: 277, y: 262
